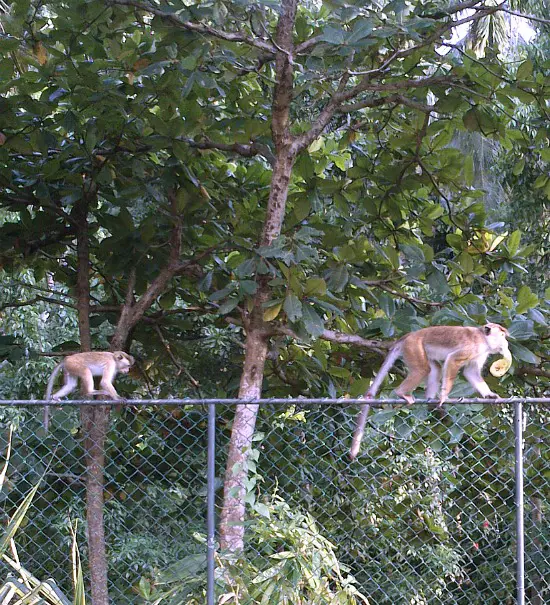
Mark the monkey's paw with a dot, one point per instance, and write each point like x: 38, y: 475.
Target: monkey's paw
x: 408, y: 398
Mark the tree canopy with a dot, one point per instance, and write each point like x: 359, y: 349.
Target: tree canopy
x: 270, y: 190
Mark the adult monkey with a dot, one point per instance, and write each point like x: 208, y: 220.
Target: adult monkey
x: 438, y: 353
x: 85, y: 366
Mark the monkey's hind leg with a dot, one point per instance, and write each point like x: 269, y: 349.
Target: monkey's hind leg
x: 418, y: 366
x: 434, y: 380
x: 452, y: 365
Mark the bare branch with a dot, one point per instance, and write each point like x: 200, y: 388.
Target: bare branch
x: 246, y: 150
x: 302, y: 141
x: 33, y: 301
x: 358, y: 341
x: 339, y: 337
x: 158, y: 285
x: 179, y: 367
x: 199, y: 28
x: 403, y: 295
x: 528, y: 371
x: 524, y: 16
x: 19, y: 200
x: 378, y: 101
x: 366, y: 85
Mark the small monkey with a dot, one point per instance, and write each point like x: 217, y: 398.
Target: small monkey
x: 437, y: 353
x: 85, y: 366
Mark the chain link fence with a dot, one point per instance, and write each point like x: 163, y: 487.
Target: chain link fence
x: 426, y: 514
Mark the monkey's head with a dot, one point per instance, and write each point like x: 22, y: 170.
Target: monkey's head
x: 123, y: 361
x: 495, y: 335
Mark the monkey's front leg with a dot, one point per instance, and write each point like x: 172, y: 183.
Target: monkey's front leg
x: 472, y: 373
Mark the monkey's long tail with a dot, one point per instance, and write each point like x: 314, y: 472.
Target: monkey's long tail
x: 394, y: 353
x: 48, y: 394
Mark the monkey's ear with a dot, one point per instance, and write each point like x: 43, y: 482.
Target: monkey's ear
x: 487, y: 329
x: 119, y: 356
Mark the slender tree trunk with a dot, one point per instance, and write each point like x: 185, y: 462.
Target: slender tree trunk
x: 94, y: 420
x: 95, y: 424
x: 244, y: 423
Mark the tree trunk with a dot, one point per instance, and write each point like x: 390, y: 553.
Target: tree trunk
x: 95, y: 424
x: 244, y: 423
x: 94, y: 420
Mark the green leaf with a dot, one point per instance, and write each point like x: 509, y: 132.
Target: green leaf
x: 361, y: 29
x: 522, y: 329
x: 228, y: 306
x: 519, y: 166
x: 526, y: 299
x: 403, y: 427
x: 337, y: 278
x: 333, y: 35
x: 520, y: 352
x: 466, y: 262
x: 387, y: 304
x: 271, y: 313
x: 248, y: 287
x: 315, y: 285
x: 17, y: 518
x: 292, y: 307
x: 167, y: 300
x: 541, y: 181
x: 525, y: 70
x: 513, y: 242
x: 471, y: 120
x: 312, y: 322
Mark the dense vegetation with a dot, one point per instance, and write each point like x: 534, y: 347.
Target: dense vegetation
x: 254, y: 198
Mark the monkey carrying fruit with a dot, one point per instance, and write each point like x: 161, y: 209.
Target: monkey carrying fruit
x: 438, y: 353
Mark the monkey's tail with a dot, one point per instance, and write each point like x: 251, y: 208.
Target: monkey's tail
x: 394, y: 353
x: 48, y: 394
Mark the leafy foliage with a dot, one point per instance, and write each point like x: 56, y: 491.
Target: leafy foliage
x: 163, y: 127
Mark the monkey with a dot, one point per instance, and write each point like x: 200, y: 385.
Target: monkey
x: 437, y: 353
x: 85, y: 366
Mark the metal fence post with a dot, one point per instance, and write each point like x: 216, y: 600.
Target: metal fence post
x: 520, y: 534
x: 210, y: 509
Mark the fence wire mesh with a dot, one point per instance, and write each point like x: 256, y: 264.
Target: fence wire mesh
x: 424, y: 515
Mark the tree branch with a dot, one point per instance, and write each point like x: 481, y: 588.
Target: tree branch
x: 131, y: 312
x: 33, y: 301
x: 12, y: 200
x: 378, y: 101
x: 402, y: 295
x: 246, y: 150
x: 367, y: 85
x: 339, y: 337
x: 199, y: 28
x: 528, y: 371
x: 284, y: 79
x: 302, y: 141
x: 172, y: 357
x: 524, y: 16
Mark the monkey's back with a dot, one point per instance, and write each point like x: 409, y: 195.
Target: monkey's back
x: 95, y: 360
x: 437, y: 341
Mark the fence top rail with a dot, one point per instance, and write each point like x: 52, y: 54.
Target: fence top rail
x: 270, y: 401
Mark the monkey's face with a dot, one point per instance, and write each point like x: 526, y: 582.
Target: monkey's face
x: 496, y: 338
x: 123, y: 361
